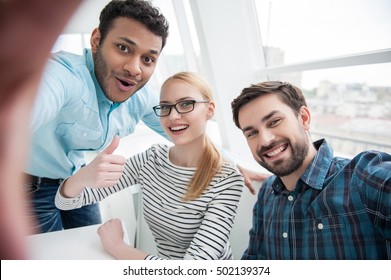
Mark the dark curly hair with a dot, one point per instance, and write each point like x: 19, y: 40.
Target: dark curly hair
x: 289, y: 94
x: 140, y: 10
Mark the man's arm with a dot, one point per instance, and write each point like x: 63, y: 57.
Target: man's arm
x: 28, y: 30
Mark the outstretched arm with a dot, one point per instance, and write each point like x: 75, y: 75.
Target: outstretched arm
x: 28, y: 30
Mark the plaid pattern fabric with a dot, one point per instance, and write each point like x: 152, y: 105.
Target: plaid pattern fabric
x: 340, y: 209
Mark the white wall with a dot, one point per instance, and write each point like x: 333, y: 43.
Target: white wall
x: 86, y: 18
x: 232, y: 53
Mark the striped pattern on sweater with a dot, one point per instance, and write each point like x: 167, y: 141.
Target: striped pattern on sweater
x: 197, y: 229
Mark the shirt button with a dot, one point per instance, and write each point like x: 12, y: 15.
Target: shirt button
x: 290, y: 198
x: 84, y: 134
x: 284, y: 234
x: 320, y: 226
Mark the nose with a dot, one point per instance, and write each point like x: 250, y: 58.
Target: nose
x: 132, y: 66
x: 174, y: 114
x: 266, y: 137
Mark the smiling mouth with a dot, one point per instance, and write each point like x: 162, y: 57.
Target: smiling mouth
x: 178, y: 128
x: 276, y: 151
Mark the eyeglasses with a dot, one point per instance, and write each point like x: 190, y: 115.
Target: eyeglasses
x: 182, y: 107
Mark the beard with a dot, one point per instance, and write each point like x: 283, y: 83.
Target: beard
x: 100, y: 69
x: 284, y: 168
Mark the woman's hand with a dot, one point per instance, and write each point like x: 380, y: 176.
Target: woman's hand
x: 111, y: 235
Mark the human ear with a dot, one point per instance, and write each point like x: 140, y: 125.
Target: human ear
x: 211, y: 110
x: 305, y: 117
x: 95, y: 39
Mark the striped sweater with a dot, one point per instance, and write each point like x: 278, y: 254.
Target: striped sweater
x: 196, y: 229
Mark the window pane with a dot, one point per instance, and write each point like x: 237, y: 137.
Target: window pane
x: 174, y: 58
x: 173, y: 52
x: 350, y: 106
x: 303, y: 30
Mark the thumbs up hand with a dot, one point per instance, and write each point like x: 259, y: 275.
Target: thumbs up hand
x: 104, y: 171
x: 112, y: 146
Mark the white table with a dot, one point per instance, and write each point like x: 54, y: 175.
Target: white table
x: 72, y: 244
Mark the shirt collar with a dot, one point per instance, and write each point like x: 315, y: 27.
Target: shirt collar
x: 315, y: 174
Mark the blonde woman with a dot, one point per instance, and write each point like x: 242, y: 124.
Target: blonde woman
x: 190, y: 192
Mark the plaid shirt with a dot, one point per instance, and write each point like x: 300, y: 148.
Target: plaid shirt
x: 340, y: 209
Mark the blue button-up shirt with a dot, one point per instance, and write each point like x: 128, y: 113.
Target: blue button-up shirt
x: 72, y: 115
x: 340, y: 209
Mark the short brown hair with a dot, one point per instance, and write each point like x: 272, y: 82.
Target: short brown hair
x: 289, y: 94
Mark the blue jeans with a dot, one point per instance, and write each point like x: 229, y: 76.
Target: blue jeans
x: 49, y: 218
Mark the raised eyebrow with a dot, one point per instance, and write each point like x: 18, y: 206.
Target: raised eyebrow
x: 154, y: 52
x: 247, y: 128
x: 270, y: 115
x: 165, y: 103
x: 133, y: 43
x: 264, y: 119
x: 178, y: 100
x: 127, y: 40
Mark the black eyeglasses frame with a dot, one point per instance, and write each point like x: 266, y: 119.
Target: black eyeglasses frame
x: 193, y: 102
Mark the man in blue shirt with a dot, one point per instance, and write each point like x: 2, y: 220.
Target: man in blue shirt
x: 83, y: 101
x: 316, y: 206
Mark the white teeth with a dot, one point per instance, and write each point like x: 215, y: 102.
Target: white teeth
x: 275, y: 152
x: 179, y: 127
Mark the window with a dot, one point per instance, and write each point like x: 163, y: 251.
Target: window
x: 182, y: 36
x: 338, y: 53
x: 304, y: 30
